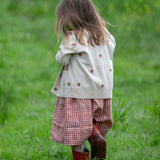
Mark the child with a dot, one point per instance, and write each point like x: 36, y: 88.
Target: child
x: 84, y: 86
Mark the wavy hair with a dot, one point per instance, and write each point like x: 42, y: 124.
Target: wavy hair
x: 81, y: 16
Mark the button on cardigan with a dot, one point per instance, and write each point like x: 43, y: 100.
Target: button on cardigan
x: 87, y: 71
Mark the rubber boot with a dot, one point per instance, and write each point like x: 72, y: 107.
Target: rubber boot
x: 98, y: 144
x: 80, y: 156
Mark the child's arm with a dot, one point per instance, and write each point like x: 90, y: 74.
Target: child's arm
x: 111, y: 46
x: 63, y: 58
x: 68, y: 47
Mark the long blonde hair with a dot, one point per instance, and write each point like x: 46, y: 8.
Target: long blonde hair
x: 81, y: 15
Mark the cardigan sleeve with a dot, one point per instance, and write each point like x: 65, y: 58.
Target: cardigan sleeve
x: 68, y: 46
x: 111, y: 43
x: 111, y: 46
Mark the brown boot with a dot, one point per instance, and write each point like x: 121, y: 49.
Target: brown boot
x: 98, y: 144
x: 80, y: 156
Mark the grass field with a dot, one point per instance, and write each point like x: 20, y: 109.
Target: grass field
x: 28, y: 69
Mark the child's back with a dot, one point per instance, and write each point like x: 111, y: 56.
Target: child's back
x: 88, y: 69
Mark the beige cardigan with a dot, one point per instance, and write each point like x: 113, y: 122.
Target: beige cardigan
x: 87, y: 71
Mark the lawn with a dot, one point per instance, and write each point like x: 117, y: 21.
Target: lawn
x: 28, y: 69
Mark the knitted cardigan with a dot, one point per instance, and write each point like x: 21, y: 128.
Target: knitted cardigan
x: 87, y: 71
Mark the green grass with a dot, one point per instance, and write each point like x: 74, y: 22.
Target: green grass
x: 28, y: 69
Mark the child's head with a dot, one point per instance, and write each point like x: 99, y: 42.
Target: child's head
x: 81, y: 15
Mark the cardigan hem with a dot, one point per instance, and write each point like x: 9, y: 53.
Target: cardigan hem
x: 83, y: 93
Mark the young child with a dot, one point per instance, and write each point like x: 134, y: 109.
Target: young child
x: 83, y: 88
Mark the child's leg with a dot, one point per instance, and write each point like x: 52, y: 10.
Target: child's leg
x: 98, y: 144
x: 79, y: 153
x: 78, y: 148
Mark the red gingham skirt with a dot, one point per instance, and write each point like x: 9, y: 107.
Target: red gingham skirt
x: 73, y: 119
